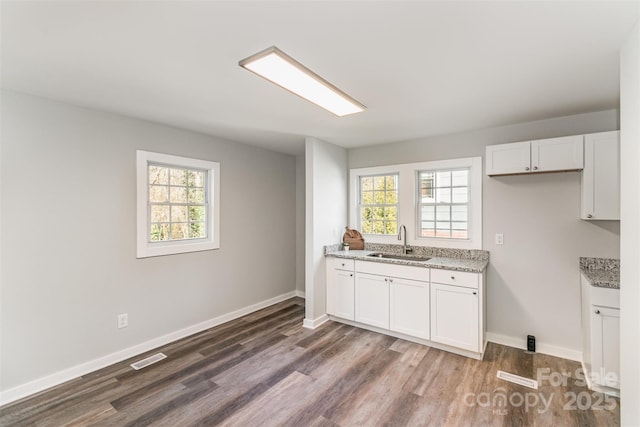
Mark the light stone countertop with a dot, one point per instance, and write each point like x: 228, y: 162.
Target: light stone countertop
x: 456, y: 264
x: 601, y: 272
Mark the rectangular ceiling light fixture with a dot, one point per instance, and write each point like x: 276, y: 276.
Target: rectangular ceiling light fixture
x: 279, y: 68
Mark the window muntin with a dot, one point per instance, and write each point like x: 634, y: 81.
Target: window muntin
x: 177, y: 203
x: 443, y: 203
x: 378, y: 204
x: 409, y: 194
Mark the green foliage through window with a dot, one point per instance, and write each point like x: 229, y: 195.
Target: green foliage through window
x: 177, y: 203
x: 378, y: 204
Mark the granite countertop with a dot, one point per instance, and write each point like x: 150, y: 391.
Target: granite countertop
x: 471, y: 261
x: 601, y: 272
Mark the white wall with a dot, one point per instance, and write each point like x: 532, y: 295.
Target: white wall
x: 326, y: 217
x: 300, y: 222
x: 630, y: 229
x: 533, y: 279
x: 68, y: 237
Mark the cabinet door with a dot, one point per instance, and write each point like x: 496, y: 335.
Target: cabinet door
x: 605, y: 346
x: 372, y: 300
x: 340, y: 294
x: 557, y: 154
x: 505, y: 159
x: 454, y: 316
x: 601, y: 176
x: 409, y: 307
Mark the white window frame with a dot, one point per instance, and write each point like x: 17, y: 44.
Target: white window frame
x: 147, y: 248
x: 408, y: 202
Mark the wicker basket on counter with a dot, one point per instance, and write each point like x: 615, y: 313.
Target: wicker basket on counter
x: 353, y: 238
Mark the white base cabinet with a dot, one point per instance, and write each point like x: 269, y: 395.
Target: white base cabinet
x: 605, y: 353
x: 440, y: 308
x: 383, y: 297
x: 340, y: 288
x: 601, y: 337
x: 409, y: 302
x: 457, y: 309
x: 454, y: 316
x: 372, y: 300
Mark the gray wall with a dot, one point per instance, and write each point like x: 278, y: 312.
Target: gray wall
x: 300, y: 221
x: 533, y: 279
x: 326, y: 217
x: 68, y: 236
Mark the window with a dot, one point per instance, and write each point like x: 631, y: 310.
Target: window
x: 379, y: 204
x: 443, y: 204
x: 178, y: 204
x: 440, y: 202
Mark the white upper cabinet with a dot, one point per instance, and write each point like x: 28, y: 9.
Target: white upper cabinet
x: 601, y: 177
x: 557, y: 154
x: 543, y: 155
x: 508, y: 158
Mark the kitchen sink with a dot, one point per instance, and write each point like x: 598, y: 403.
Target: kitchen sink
x: 399, y: 257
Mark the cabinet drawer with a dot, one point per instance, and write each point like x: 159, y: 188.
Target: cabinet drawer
x: 458, y: 278
x: 393, y: 270
x: 342, y: 264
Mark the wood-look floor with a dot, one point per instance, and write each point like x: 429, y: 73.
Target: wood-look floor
x: 265, y: 369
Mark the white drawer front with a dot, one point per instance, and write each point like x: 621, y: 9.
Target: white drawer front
x: 458, y: 278
x: 342, y: 264
x: 393, y: 270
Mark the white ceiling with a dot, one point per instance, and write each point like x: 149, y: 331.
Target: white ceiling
x: 421, y: 68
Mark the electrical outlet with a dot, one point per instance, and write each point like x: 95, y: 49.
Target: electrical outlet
x: 499, y: 239
x: 123, y: 320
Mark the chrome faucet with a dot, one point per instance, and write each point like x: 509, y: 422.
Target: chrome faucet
x: 405, y: 248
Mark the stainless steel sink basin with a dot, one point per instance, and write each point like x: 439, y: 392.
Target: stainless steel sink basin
x: 399, y: 257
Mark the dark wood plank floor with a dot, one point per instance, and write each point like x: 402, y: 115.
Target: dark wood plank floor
x: 265, y: 369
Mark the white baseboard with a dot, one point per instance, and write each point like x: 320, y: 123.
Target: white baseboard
x: 587, y: 377
x: 314, y: 323
x: 300, y: 293
x: 541, y: 347
x: 60, y: 377
x: 601, y: 389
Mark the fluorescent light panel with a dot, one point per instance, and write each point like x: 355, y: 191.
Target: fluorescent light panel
x: 276, y: 66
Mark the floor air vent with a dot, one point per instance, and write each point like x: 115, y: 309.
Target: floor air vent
x: 527, y: 382
x: 148, y: 361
